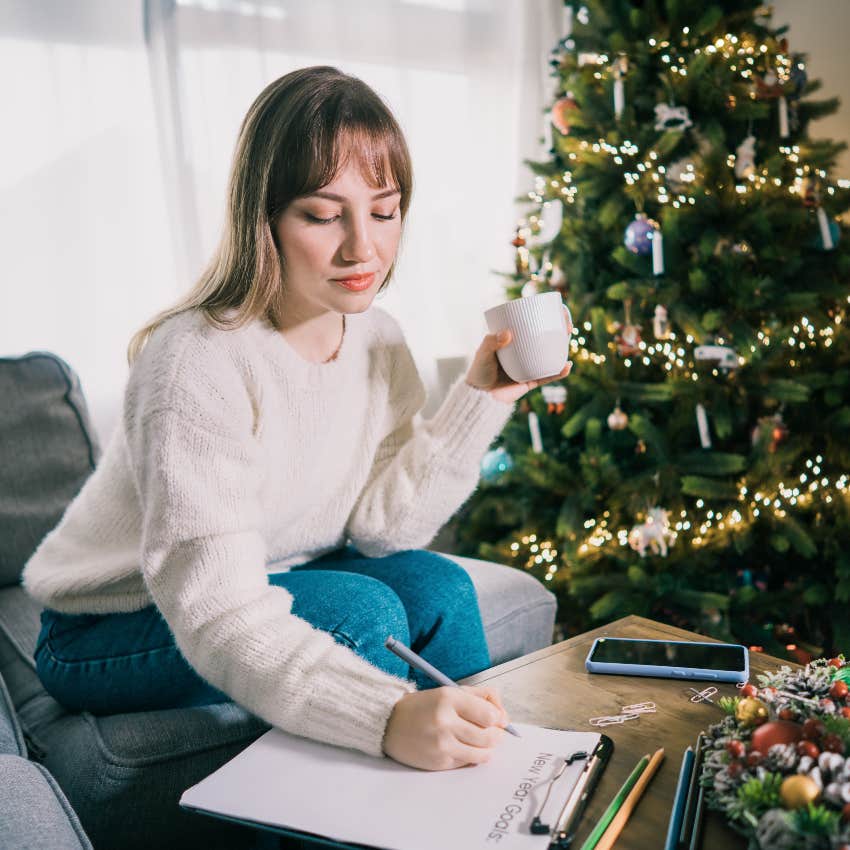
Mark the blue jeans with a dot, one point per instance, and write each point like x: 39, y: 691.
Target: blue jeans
x: 115, y: 663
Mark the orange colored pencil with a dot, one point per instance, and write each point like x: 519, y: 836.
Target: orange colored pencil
x: 606, y: 842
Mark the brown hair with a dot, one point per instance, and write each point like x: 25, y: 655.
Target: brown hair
x: 298, y: 134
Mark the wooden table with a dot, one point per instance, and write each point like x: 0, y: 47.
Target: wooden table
x: 551, y: 688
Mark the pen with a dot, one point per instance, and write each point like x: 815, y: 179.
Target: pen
x: 680, y: 800
x: 613, y: 807
x: 408, y: 655
x: 693, y: 791
x: 616, y: 826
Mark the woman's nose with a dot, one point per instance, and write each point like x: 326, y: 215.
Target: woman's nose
x: 358, y: 246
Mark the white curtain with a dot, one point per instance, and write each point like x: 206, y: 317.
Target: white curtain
x: 124, y: 116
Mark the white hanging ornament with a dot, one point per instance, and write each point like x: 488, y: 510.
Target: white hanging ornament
x: 660, y: 322
x: 534, y: 432
x: 555, y: 396
x: 745, y: 158
x: 783, y: 117
x: 669, y: 117
x: 717, y: 357
x: 621, y: 66
x: 702, y: 426
x: 653, y: 533
x: 618, y: 420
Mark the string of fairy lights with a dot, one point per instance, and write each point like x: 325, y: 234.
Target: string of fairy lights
x: 809, y: 486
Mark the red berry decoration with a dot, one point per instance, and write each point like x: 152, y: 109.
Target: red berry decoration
x: 839, y: 689
x: 750, y: 691
x: 736, y: 749
x: 845, y: 711
x: 787, y: 714
x: 754, y: 759
x: 808, y: 748
x: 836, y: 662
x: 813, y: 729
x: 734, y: 769
x: 833, y: 744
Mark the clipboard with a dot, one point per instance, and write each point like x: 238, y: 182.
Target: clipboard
x: 345, y: 799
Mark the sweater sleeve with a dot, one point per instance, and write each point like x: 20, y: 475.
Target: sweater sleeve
x: 423, y: 471
x: 197, y: 471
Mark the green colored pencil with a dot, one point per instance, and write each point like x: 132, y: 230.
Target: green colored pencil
x: 615, y: 804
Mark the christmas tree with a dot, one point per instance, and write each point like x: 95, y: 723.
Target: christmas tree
x: 694, y: 466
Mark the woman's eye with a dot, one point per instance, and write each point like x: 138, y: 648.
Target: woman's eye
x: 319, y: 220
x: 384, y: 217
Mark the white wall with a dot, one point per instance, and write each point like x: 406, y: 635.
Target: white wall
x: 821, y: 29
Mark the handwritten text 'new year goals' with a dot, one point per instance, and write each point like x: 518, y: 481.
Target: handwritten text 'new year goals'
x: 514, y: 807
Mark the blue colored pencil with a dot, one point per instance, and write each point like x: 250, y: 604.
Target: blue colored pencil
x: 678, y: 811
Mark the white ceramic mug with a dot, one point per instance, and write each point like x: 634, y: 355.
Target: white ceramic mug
x: 540, y: 344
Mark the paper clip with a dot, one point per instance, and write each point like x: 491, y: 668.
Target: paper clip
x: 640, y: 708
x: 704, y: 695
x: 611, y: 719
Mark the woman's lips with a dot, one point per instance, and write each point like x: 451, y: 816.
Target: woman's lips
x: 357, y: 283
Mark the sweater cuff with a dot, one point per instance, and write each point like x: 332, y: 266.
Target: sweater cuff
x: 468, y: 420
x: 358, y: 718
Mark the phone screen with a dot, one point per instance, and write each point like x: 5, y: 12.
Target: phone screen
x: 670, y: 654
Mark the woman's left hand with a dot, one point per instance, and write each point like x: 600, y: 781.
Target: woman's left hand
x: 486, y: 373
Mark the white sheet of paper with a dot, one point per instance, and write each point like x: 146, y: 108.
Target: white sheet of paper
x: 294, y: 783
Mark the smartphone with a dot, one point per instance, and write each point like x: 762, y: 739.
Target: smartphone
x: 669, y: 659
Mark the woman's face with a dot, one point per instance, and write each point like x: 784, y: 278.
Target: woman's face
x: 337, y: 245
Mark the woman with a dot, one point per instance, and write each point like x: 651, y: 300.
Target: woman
x: 253, y: 530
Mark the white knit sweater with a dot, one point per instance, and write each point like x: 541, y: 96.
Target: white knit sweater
x: 233, y: 453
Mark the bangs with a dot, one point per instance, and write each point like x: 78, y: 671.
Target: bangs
x: 350, y: 127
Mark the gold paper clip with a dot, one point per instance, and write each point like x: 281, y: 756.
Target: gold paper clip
x: 704, y: 695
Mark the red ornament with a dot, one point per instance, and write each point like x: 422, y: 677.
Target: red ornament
x: 734, y: 769
x: 839, y: 689
x: 787, y: 714
x: 776, y: 732
x: 845, y: 711
x: 736, y: 749
x: 768, y: 87
x: 628, y: 339
x: 808, y: 748
x: 750, y: 691
x: 833, y: 744
x: 813, y: 729
x: 836, y: 662
x: 562, y: 111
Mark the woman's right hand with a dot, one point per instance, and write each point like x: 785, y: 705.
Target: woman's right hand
x: 444, y: 728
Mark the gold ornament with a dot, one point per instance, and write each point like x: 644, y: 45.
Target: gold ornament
x: 617, y: 419
x: 796, y: 792
x: 751, y: 712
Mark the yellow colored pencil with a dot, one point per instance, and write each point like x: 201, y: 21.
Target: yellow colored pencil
x: 606, y: 842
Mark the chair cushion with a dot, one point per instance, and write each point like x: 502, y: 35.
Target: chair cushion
x: 518, y: 612
x: 11, y: 736
x: 47, y: 452
x: 36, y: 814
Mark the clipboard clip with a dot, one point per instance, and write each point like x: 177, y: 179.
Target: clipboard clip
x: 537, y: 827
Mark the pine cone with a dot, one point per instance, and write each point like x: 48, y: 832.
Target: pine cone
x: 782, y: 758
x: 775, y: 831
x: 837, y: 793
